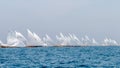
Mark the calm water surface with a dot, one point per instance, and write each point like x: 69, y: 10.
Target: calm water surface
x: 58, y: 57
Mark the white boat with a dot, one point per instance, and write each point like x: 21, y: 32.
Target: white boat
x: 14, y: 39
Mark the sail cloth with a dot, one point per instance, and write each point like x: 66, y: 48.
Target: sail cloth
x: 47, y: 40
x: 34, y: 39
x: 15, y: 39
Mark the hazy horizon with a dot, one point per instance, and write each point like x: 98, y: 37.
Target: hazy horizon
x: 95, y: 18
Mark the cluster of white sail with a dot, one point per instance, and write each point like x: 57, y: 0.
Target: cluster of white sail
x: 16, y: 39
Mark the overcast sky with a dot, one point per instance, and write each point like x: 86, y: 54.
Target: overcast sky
x: 96, y: 18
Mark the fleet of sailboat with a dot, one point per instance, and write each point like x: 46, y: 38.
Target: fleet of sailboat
x: 17, y: 39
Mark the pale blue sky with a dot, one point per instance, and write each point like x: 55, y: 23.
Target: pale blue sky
x: 96, y: 18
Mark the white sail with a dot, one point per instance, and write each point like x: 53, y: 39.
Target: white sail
x: 20, y: 37
x: 47, y: 39
x: 94, y: 42
x: 115, y: 42
x: 62, y: 40
x: 73, y: 40
x: 15, y: 38
x: 34, y: 39
x: 76, y: 39
x: 108, y: 41
x: 61, y: 35
x: 1, y: 42
x: 11, y: 38
x: 86, y: 40
x: 30, y: 35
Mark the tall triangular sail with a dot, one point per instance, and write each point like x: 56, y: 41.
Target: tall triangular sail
x: 34, y: 39
x: 14, y: 39
x: 11, y: 38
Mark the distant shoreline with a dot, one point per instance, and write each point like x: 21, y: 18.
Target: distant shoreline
x: 58, y: 46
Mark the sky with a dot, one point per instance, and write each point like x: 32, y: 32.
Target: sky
x: 95, y: 18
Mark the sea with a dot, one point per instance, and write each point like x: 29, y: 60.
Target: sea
x: 61, y: 57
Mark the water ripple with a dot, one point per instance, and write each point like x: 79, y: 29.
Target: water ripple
x: 60, y: 57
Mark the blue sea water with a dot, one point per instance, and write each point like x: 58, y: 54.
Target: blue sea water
x: 61, y: 57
